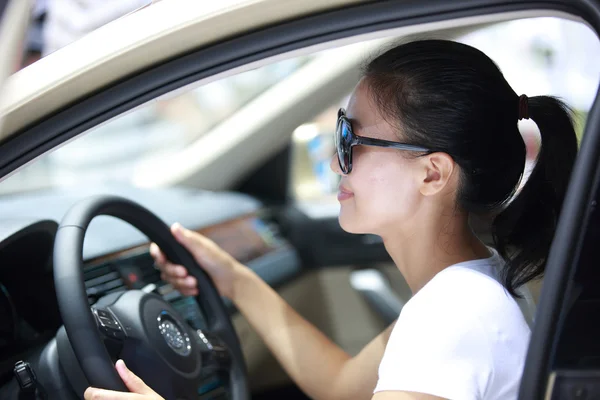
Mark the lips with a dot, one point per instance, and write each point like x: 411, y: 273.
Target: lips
x: 344, y: 193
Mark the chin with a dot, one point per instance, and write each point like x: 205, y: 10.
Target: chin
x: 351, y: 223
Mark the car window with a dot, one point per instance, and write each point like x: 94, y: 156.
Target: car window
x: 538, y: 56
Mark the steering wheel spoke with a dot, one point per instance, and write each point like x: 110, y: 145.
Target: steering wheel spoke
x: 108, y: 325
x: 215, y: 354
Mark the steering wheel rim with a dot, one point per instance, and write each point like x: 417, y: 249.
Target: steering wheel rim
x: 78, y: 319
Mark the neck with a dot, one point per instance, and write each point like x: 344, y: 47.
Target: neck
x: 437, y: 244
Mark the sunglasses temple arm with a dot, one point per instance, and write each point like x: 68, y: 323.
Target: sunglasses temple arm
x: 360, y: 140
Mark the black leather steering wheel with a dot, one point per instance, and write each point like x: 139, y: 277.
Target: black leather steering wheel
x: 142, y: 328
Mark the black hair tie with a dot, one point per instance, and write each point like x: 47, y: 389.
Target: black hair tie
x: 523, y: 107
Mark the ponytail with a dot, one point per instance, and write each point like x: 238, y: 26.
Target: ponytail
x: 523, y: 232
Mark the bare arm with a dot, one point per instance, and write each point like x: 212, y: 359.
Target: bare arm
x: 317, y: 365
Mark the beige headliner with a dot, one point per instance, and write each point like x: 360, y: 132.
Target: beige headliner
x: 132, y: 43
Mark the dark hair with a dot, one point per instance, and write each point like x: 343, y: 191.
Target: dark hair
x: 451, y: 97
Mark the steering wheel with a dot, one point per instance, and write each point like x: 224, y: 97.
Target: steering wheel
x: 142, y: 328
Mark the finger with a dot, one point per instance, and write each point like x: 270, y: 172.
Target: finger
x: 189, y: 292
x: 190, y: 239
x: 132, y: 381
x: 180, y: 233
x: 157, y: 254
x: 186, y: 290
x: 202, y: 248
x: 167, y: 268
x: 101, y: 394
x: 174, y: 271
x: 187, y: 283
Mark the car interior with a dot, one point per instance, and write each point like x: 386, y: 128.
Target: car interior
x: 243, y: 159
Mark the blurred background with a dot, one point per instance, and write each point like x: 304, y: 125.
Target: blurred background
x: 538, y: 56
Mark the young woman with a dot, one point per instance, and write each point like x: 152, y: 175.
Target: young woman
x: 429, y: 138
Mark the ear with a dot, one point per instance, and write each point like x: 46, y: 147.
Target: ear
x: 439, y: 169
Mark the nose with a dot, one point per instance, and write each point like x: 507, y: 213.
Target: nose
x: 335, y: 165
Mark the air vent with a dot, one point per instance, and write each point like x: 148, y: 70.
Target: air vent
x: 101, y: 280
x: 106, y: 278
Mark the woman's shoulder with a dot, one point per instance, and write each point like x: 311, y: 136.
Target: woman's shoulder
x: 455, y: 337
x: 465, y: 292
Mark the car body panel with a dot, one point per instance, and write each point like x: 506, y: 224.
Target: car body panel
x: 136, y: 42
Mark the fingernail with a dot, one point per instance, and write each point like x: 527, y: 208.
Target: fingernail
x: 122, y: 369
x: 179, y: 231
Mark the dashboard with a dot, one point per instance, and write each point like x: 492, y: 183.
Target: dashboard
x: 116, y: 256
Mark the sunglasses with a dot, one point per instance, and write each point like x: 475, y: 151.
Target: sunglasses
x: 345, y: 140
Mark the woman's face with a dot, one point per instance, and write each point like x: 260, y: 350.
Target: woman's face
x: 381, y: 194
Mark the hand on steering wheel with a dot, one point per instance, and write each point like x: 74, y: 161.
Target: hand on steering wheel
x: 139, y: 390
x: 222, y: 268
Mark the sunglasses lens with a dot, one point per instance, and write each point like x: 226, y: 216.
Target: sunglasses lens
x: 343, y: 142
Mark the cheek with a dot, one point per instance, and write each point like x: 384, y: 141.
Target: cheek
x: 388, y: 195
x: 384, y: 194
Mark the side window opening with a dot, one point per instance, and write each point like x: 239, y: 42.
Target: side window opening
x: 537, y: 56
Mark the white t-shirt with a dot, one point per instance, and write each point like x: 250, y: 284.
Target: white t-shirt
x: 461, y: 337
